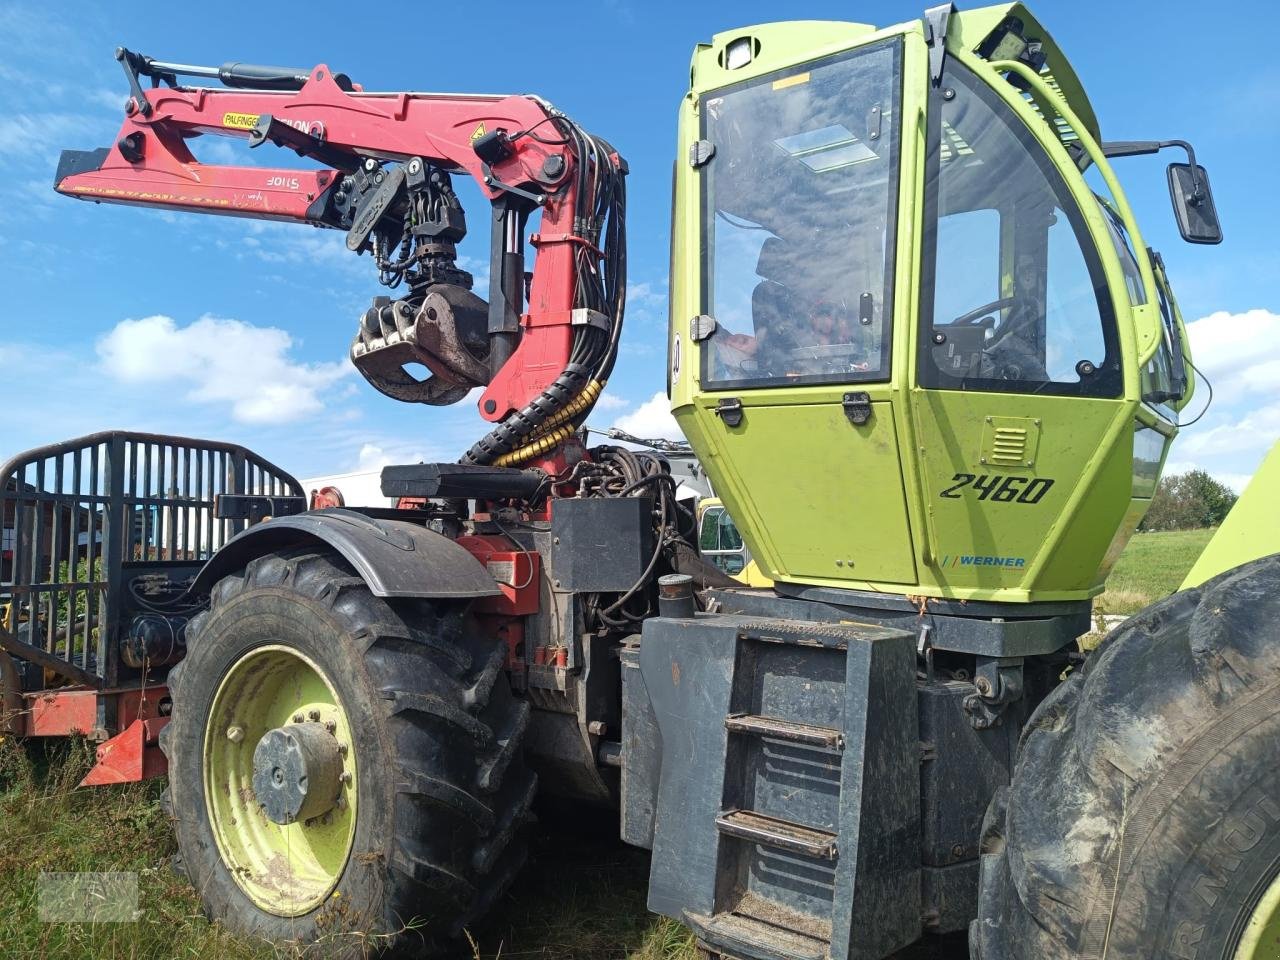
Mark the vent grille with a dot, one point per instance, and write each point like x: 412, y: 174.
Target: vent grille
x: 1009, y: 442
x: 1009, y: 446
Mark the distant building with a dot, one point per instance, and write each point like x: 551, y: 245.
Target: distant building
x: 49, y: 533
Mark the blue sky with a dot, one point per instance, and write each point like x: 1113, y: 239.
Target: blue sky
x: 237, y: 330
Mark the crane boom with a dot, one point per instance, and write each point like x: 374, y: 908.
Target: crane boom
x: 385, y: 177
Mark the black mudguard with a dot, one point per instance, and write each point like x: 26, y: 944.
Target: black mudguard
x: 395, y: 558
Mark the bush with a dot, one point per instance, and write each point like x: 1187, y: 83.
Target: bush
x: 1188, y: 501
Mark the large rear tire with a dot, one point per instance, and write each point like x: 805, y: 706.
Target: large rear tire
x: 434, y: 786
x: 1143, y: 818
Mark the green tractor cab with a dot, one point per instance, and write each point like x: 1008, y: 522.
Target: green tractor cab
x: 917, y: 350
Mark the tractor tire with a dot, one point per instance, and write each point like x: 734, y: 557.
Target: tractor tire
x: 440, y: 788
x: 1143, y: 817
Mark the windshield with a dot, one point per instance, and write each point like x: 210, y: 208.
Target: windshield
x: 1010, y: 279
x: 798, y: 223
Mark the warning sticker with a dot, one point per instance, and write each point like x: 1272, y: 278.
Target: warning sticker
x: 503, y: 571
x: 241, y: 121
x: 478, y: 132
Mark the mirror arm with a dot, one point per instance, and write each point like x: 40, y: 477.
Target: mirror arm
x: 1135, y: 148
x: 1197, y: 187
x: 1129, y: 148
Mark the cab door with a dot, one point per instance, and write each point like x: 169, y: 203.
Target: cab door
x: 1021, y: 413
x: 793, y: 417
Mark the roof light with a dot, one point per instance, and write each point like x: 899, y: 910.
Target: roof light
x: 739, y: 53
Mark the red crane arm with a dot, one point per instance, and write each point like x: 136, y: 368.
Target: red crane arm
x: 376, y: 150
x: 337, y: 127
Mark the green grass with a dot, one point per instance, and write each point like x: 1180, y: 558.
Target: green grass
x: 48, y: 826
x: 582, y: 896
x: 1151, y: 567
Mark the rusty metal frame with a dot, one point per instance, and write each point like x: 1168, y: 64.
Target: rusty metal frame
x: 107, y: 501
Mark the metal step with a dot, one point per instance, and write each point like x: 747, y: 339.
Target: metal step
x: 807, y: 733
x: 751, y: 938
x: 775, y: 832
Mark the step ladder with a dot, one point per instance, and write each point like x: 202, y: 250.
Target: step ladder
x: 787, y: 820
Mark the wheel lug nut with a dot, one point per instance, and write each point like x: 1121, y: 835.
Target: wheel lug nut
x: 341, y: 802
x: 235, y: 734
x: 331, y: 725
x: 298, y: 718
x: 342, y: 749
x: 314, y: 714
x: 345, y: 776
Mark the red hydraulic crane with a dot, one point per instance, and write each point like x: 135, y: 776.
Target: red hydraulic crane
x: 543, y: 344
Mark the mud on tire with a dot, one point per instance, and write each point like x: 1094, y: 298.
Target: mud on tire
x: 1143, y: 818
x: 443, y: 788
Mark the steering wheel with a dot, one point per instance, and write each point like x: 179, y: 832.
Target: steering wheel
x: 968, y: 318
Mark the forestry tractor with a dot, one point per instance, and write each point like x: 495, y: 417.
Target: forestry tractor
x: 932, y: 368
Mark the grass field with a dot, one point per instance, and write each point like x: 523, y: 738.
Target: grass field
x: 1151, y: 567
x: 582, y: 897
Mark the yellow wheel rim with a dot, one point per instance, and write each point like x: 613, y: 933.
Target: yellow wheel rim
x: 287, y: 868
x: 1261, y: 939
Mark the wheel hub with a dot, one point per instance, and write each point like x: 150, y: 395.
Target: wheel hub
x: 297, y: 772
x: 281, y: 779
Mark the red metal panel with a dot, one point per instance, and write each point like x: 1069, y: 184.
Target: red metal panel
x: 130, y: 756
x: 60, y: 713
x: 517, y: 572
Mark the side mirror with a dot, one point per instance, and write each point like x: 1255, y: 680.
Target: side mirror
x: 1193, y: 204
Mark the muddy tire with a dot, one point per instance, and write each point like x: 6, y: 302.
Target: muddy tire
x: 442, y: 788
x: 1143, y: 818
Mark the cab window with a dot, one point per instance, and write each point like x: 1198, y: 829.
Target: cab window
x: 1121, y: 241
x: 798, y: 221
x: 1014, y: 295
x: 720, y: 542
x: 1163, y: 379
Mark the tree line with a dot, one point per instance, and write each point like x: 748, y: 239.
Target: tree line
x: 1188, y: 501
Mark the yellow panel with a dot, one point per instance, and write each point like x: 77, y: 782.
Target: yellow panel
x: 826, y: 495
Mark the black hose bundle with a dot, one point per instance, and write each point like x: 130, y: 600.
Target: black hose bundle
x: 601, y: 285
x: 618, y: 472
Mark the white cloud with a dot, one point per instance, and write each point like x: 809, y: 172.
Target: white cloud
x: 108, y: 99
x: 27, y: 133
x: 1236, y: 481
x: 646, y: 292
x: 221, y: 362
x: 372, y: 456
x: 1255, y: 430
x: 1231, y: 348
x: 1243, y: 421
x: 609, y: 402
x: 651, y: 420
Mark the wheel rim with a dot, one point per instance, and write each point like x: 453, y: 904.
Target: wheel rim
x: 272, y: 697
x: 1261, y: 937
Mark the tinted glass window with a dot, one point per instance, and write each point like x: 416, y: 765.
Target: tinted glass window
x: 1012, y: 282
x: 1161, y: 377
x: 800, y: 200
